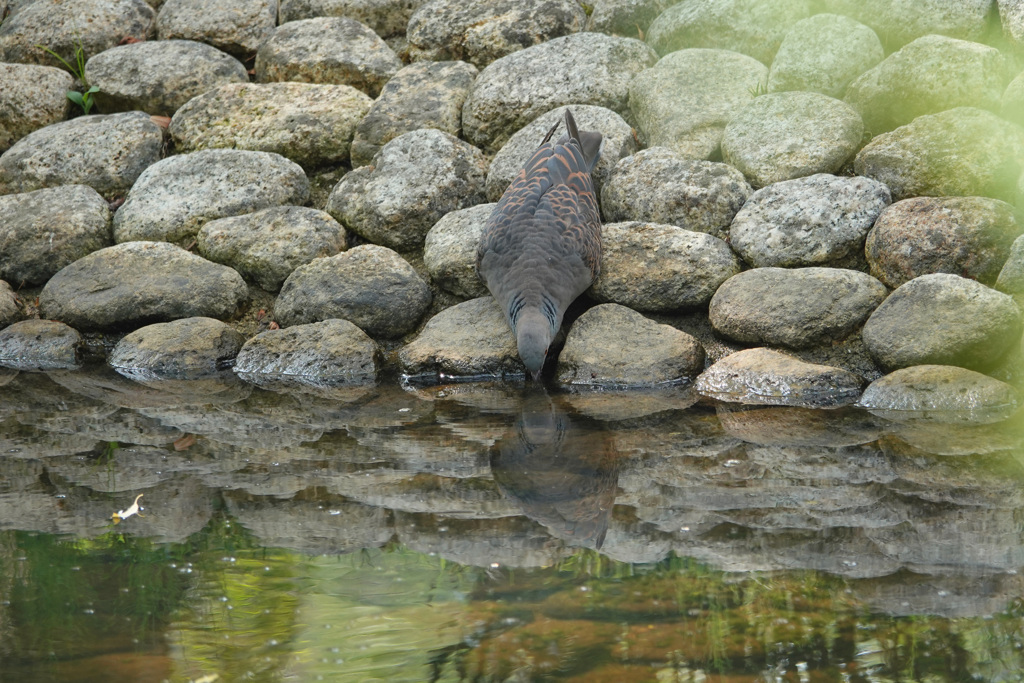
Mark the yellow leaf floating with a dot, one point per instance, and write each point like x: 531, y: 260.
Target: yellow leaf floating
x: 133, y: 509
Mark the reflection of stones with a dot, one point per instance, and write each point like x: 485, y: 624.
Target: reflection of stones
x: 119, y: 425
x: 985, y: 482
x: 129, y: 468
x: 793, y: 426
x: 609, y: 405
x: 34, y: 396
x: 40, y: 345
x: 631, y: 540
x: 560, y: 472
x: 104, y: 384
x: 315, y: 526
x: 959, y: 439
x: 18, y: 441
x: 678, y: 433
x: 174, y: 511
x: 955, y: 595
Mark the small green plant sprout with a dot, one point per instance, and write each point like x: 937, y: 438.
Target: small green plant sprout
x: 760, y: 89
x: 85, y: 98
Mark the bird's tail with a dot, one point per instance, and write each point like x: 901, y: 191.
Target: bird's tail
x: 588, y: 141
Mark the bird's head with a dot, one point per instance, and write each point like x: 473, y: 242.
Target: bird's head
x: 533, y: 337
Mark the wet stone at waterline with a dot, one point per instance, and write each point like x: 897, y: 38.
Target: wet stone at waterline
x: 39, y: 345
x: 188, y: 347
x: 331, y: 349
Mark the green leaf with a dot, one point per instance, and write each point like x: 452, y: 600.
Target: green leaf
x: 77, y: 98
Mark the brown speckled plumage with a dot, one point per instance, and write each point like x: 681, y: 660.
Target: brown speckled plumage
x: 541, y: 248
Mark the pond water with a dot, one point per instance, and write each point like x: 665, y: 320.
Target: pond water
x: 496, y: 533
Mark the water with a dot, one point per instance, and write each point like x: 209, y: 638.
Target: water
x: 495, y: 533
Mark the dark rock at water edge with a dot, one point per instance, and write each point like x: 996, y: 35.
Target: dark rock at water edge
x: 189, y: 347
x: 40, y: 345
x: 329, y: 350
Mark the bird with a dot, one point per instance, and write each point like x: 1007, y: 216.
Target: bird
x: 541, y: 246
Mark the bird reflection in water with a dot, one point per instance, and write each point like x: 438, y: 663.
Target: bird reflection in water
x: 560, y: 468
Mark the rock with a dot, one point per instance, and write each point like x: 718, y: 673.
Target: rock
x: 449, y: 251
x: 64, y: 25
x: 786, y: 135
x: 942, y: 393
x: 39, y: 345
x: 898, y: 22
x: 311, y: 124
x: 929, y: 75
x: 766, y: 377
x: 963, y: 151
x: 789, y: 426
x: 415, y: 180
x: 159, y: 76
x: 824, y: 53
x: 107, y: 153
x: 628, y: 18
x: 470, y: 339
x: 335, y: 50
x: 33, y: 97
x: 1011, y: 15
x: 618, y: 142
x: 653, y: 267
x: 967, y: 236
x: 237, y: 27
x: 182, y: 348
x: 820, y: 220
x: 685, y: 101
x: 657, y: 185
x: 1012, y: 103
x: 481, y: 31
x: 943, y: 319
x: 798, y: 308
x: 583, y: 68
x: 8, y: 305
x: 266, y: 246
x: 387, y: 18
x: 370, y: 286
x: 43, y: 231
x: 1011, y: 277
x: 332, y: 349
x: 176, y: 196
x: 138, y: 283
x: 750, y: 27
x: 421, y: 95
x: 614, y: 345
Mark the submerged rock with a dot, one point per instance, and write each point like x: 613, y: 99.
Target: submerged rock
x: 137, y: 283
x: 614, y: 345
x: 449, y: 251
x: 329, y: 350
x: 238, y: 27
x: 43, y: 231
x: 180, y: 348
x: 798, y: 308
x: 941, y: 393
x: 33, y: 97
x: 766, y: 377
x: 943, y: 319
x: 39, y: 345
x: 657, y: 185
x: 791, y: 426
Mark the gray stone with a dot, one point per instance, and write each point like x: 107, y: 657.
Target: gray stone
x: 583, y: 68
x: 33, y: 97
x: 1011, y: 15
x: 158, y: 76
x: 685, y: 101
x: 480, y: 31
x: 967, y: 236
x: 39, y: 345
x: 1012, y: 103
x: 311, y: 124
x: 618, y: 141
x: 64, y: 25
x: 137, y: 283
x: 766, y: 377
x: 659, y: 186
x: 821, y: 220
x: 387, y: 18
x: 824, y: 53
x: 943, y: 319
x: 335, y: 50
x: 797, y: 308
x: 790, y: 426
x: 370, y: 286
x: 174, y: 198
x: 237, y: 27
x: 942, y: 393
x: 750, y: 27
x: 9, y: 311
x: 963, y: 151
x: 929, y: 75
x: 421, y: 95
x: 898, y: 22
x: 786, y: 135
x: 181, y: 348
x: 627, y: 18
x: 659, y: 268
x: 266, y: 246
x: 470, y: 339
x: 449, y: 251
x: 107, y: 153
x: 1011, y: 277
x: 415, y: 180
x: 614, y: 345
x: 43, y: 231
x: 331, y: 349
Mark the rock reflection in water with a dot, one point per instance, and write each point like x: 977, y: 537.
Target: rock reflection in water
x: 561, y: 472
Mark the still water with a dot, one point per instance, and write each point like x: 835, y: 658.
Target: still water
x: 496, y: 533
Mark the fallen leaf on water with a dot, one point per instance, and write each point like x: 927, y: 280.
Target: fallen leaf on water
x: 184, y: 442
x: 133, y: 509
